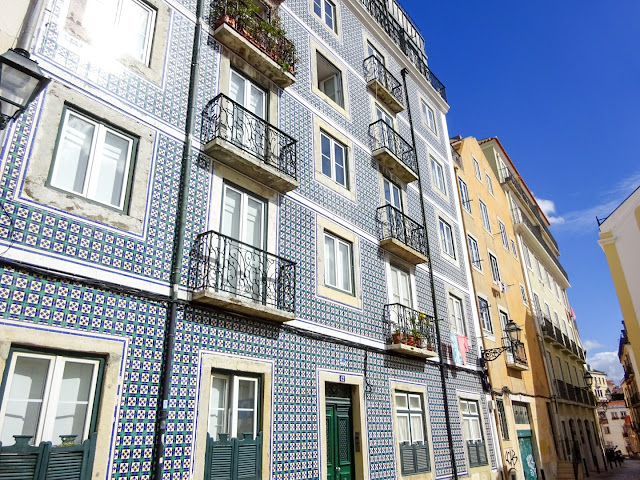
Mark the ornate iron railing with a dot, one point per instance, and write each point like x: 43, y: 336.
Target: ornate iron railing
x: 407, y: 325
x: 379, y: 10
x: 547, y: 327
x: 265, y: 33
x: 562, y: 389
x: 225, y: 119
x: 566, y: 342
x: 392, y: 223
x: 381, y: 135
x: 519, y: 353
x: 374, y: 69
x: 221, y: 263
x: 571, y: 393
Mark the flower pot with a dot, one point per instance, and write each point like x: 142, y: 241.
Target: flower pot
x: 417, y: 342
x: 397, y: 337
x: 430, y: 346
x: 225, y: 19
x: 410, y: 341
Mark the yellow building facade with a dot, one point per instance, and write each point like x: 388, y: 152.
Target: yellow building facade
x: 519, y: 389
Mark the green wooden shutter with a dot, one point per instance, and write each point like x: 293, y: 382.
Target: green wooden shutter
x: 248, y: 457
x: 407, y: 459
x: 219, y: 458
x: 233, y: 459
x: 472, y: 449
x: 482, y: 453
x: 421, y: 455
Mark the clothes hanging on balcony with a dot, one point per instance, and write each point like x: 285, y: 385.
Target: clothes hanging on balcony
x: 455, y: 349
x: 463, y: 345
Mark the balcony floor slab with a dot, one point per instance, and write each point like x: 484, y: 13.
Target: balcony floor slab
x: 387, y: 158
x: 403, y: 251
x: 241, y: 305
x: 385, y: 95
x: 413, y: 351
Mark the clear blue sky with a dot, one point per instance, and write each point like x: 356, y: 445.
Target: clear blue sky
x: 557, y: 82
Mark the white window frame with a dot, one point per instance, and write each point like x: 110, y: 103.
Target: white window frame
x: 524, y: 295
x: 476, y: 168
x: 466, y: 415
x: 474, y: 253
x: 437, y: 174
x: 338, y: 262
x: 503, y: 234
x: 513, y: 248
x: 484, y: 215
x: 323, y: 4
x: 489, y: 183
x: 447, y: 238
x: 231, y: 409
x: 457, y: 322
x: 429, y: 117
x: 333, y: 143
x: 485, y: 315
x: 410, y: 414
x: 464, y: 195
x: 395, y: 270
x: 51, y: 394
x: 97, y: 144
x: 527, y: 257
x: 495, y: 268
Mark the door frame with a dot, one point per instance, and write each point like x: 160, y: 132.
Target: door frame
x: 358, y: 418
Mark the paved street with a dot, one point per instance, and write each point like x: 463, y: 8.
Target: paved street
x: 630, y: 470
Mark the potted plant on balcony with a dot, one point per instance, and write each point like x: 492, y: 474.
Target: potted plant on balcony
x: 397, y: 336
x: 424, y: 320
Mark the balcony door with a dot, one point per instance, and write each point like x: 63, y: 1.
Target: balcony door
x: 385, y: 130
x: 242, y: 250
x: 248, y: 126
x: 400, y: 287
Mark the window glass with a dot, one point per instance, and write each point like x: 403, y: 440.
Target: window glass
x: 429, y: 117
x: 503, y: 235
x: 527, y: 257
x: 524, y: 295
x: 504, y: 427
x: 464, y: 195
x: 374, y: 52
x: 338, y: 263
x: 92, y: 160
x: 392, y: 193
x: 474, y: 253
x: 476, y: 168
x: 446, y: 236
x: 485, y: 315
x: 330, y: 80
x: 456, y: 315
x: 495, y: 270
x: 410, y: 417
x: 401, y: 287
x: 233, y: 407
x: 489, y: 184
x: 438, y: 175
x: 326, y: 10
x: 334, y: 159
x: 484, y: 213
x: 513, y: 248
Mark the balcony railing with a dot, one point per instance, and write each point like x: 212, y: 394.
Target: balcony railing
x: 263, y: 32
x: 395, y: 225
x: 571, y: 393
x: 407, y: 326
x: 226, y: 120
x: 223, y: 264
x: 547, y: 328
x: 562, y: 389
x: 383, y: 138
x: 376, y: 76
x: 520, y: 354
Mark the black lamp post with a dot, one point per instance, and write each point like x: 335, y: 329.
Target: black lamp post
x: 513, y: 332
x: 21, y: 80
x: 588, y: 379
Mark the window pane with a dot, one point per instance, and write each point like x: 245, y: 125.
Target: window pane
x: 326, y: 155
x: 73, y: 403
x: 329, y: 261
x: 401, y: 400
x: 72, y: 158
x: 231, y: 214
x: 25, y: 398
x: 417, y: 428
x: 246, y: 406
x: 109, y: 170
x: 217, y: 407
x: 328, y: 14
x: 339, y: 161
x: 414, y: 402
x: 253, y: 233
x: 246, y: 393
x: 403, y: 428
x: 134, y: 28
x: 317, y: 7
x: 345, y: 265
x: 246, y: 422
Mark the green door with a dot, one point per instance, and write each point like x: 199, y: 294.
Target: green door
x: 339, y: 440
x: 526, y: 453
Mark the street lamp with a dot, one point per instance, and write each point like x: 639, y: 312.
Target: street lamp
x: 21, y: 80
x: 588, y: 379
x: 513, y: 332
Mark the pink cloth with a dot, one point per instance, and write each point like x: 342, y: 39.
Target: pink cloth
x: 463, y: 345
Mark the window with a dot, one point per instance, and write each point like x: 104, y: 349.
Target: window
x: 429, y: 117
x: 607, y: 430
x: 527, y: 257
x: 93, y: 160
x: 438, y: 175
x: 128, y: 23
x: 464, y: 195
x: 504, y: 319
x: 524, y: 295
x: 414, y: 456
x: 504, y: 427
x: 476, y: 168
x: 474, y: 253
x: 446, y: 239
x: 472, y: 432
x: 330, y: 80
x: 326, y: 10
x: 485, y: 315
x: 338, y: 266
x: 495, y: 270
x: 401, y: 287
x: 503, y: 235
x: 48, y: 395
x: 243, y: 216
x: 489, y: 184
x: 513, y: 248
x: 334, y: 159
x: 392, y: 193
x: 484, y: 213
x: 374, y: 52
x: 456, y: 315
x: 233, y: 407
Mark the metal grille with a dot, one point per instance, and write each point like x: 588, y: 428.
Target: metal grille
x: 392, y: 223
x: 382, y: 135
x: 375, y: 70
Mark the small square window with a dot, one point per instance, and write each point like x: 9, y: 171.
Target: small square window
x: 489, y: 184
x: 464, y: 195
x: 429, y: 117
x: 338, y: 263
x: 438, y: 175
x: 474, y: 253
x: 326, y: 10
x: 484, y: 213
x: 334, y: 159
x: 476, y: 168
x: 330, y: 80
x: 93, y: 160
x: 446, y: 239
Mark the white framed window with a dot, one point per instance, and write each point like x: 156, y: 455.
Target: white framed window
x: 126, y: 25
x: 429, y: 117
x: 392, y: 193
x: 326, y: 10
x: 410, y: 417
x: 476, y: 169
x: 456, y: 315
x: 47, y: 396
x: 464, y: 195
x: 243, y: 216
x: 446, y: 238
x: 338, y: 263
x: 474, y: 253
x: 437, y: 173
x: 330, y: 80
x: 485, y: 314
x: 503, y: 235
x: 527, y: 257
x: 524, y: 295
x: 400, y: 287
x: 495, y: 270
x: 539, y: 268
x: 504, y: 319
x: 473, y: 433
x: 374, y: 52
x: 233, y: 405
x: 489, y: 184
x: 93, y: 160
x: 484, y: 214
x: 334, y: 159
x: 513, y: 248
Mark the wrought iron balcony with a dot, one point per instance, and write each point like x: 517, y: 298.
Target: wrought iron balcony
x: 517, y: 357
x: 410, y: 331
x: 571, y: 393
x: 401, y: 235
x: 386, y: 87
x: 257, y: 39
x: 562, y: 389
x: 547, y: 328
x: 393, y: 151
x: 242, y: 278
x: 239, y: 138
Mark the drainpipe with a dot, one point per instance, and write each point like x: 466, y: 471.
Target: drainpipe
x: 443, y: 379
x: 178, y: 247
x: 29, y: 25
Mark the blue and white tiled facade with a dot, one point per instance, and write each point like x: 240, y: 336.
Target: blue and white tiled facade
x: 326, y: 335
